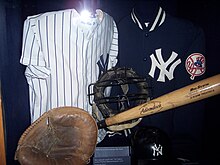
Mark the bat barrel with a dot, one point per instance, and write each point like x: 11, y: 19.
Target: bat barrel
x: 194, y: 92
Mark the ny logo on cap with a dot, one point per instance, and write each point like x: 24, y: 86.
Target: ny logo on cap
x: 157, y: 150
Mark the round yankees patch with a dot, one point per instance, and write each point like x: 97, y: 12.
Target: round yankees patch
x: 195, y: 65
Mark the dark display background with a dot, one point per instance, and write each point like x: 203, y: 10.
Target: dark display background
x: 14, y: 86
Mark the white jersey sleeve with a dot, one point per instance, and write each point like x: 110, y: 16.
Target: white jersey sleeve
x: 113, y: 53
x: 36, y: 71
x: 64, y: 55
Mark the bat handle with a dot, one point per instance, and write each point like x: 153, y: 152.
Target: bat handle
x: 101, y: 124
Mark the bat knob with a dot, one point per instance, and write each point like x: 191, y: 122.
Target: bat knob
x: 101, y: 124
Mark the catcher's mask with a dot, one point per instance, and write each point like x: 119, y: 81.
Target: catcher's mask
x: 117, y: 90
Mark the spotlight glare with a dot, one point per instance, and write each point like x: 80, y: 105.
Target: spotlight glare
x: 85, y: 15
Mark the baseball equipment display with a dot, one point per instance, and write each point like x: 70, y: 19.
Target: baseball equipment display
x: 69, y: 134
x: 117, y: 90
x: 186, y: 95
x: 65, y: 135
x: 63, y: 54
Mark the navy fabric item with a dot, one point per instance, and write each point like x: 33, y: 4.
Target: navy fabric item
x: 170, y: 35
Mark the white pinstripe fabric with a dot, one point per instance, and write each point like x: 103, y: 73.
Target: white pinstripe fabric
x: 62, y: 54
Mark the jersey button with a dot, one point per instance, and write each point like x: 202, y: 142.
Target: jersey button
x: 145, y: 59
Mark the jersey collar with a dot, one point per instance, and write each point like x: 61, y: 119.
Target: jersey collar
x: 149, y: 22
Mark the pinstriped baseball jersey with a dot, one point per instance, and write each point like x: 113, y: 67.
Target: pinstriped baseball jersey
x: 64, y: 54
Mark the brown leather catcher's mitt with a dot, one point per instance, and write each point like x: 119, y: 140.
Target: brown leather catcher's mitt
x: 61, y: 136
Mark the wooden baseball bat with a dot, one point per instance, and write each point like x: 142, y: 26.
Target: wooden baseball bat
x: 2, y: 133
x: 194, y: 92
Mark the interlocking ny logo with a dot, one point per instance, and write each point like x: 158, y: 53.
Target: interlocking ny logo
x: 160, y: 64
x: 157, y: 150
x: 103, y: 64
